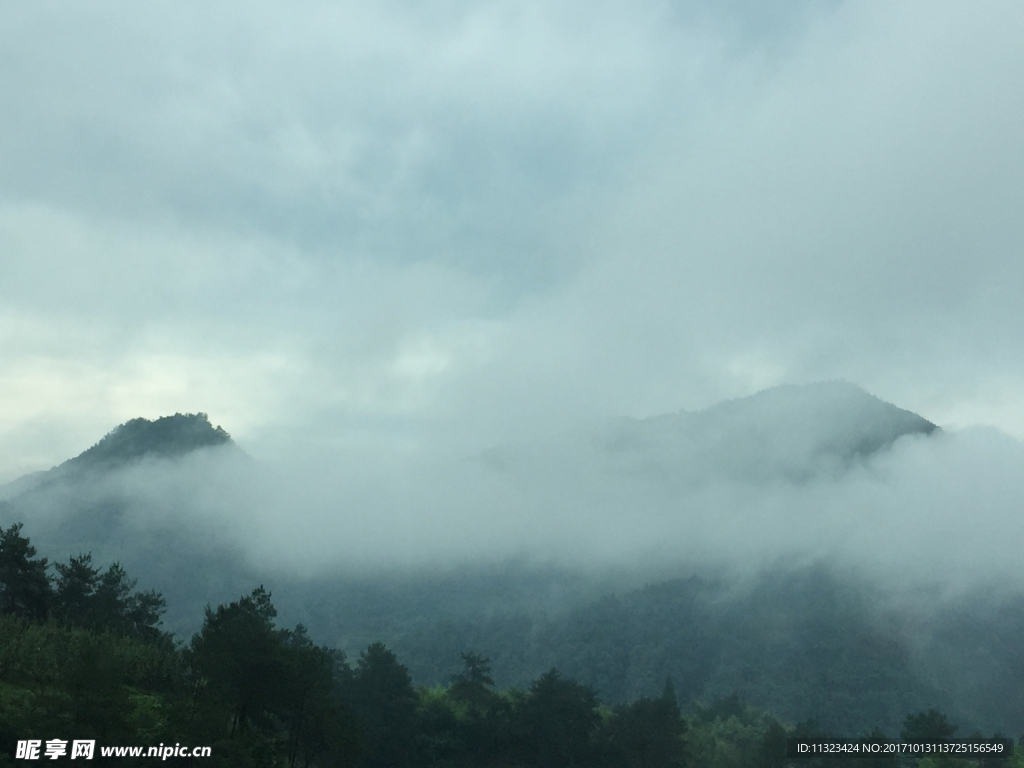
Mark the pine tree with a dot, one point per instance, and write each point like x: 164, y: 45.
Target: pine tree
x: 25, y: 588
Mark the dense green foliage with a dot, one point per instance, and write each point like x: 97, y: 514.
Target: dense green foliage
x: 82, y: 656
x: 24, y: 585
x: 802, y: 642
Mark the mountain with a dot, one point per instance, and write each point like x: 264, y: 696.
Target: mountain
x: 789, y: 432
x: 167, y: 437
x: 140, y: 496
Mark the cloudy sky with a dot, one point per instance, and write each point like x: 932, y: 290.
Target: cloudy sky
x: 393, y: 224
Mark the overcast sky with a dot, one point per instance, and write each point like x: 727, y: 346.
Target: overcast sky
x: 394, y: 224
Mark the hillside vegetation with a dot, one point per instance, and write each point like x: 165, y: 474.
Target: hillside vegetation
x: 82, y: 657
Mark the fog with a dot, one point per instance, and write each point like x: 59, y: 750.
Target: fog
x: 942, y: 508
x: 790, y: 477
x: 432, y: 268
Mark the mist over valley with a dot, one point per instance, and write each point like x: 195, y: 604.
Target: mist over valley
x: 787, y: 547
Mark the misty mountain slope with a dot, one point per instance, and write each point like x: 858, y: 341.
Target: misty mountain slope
x: 22, y: 484
x: 139, y: 470
x: 164, y: 438
x: 789, y: 432
x: 141, y: 496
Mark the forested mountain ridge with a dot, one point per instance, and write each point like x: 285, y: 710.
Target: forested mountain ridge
x: 165, y: 437
x: 801, y: 641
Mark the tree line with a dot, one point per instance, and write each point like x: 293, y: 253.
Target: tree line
x: 82, y: 656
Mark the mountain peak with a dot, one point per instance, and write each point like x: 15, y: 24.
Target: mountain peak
x: 166, y: 437
x: 792, y: 432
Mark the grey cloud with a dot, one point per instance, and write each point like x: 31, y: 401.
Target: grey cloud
x: 469, y: 223
x: 407, y: 134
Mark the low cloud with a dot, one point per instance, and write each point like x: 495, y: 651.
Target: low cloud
x: 787, y: 485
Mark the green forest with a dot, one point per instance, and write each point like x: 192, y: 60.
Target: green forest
x: 83, y: 656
